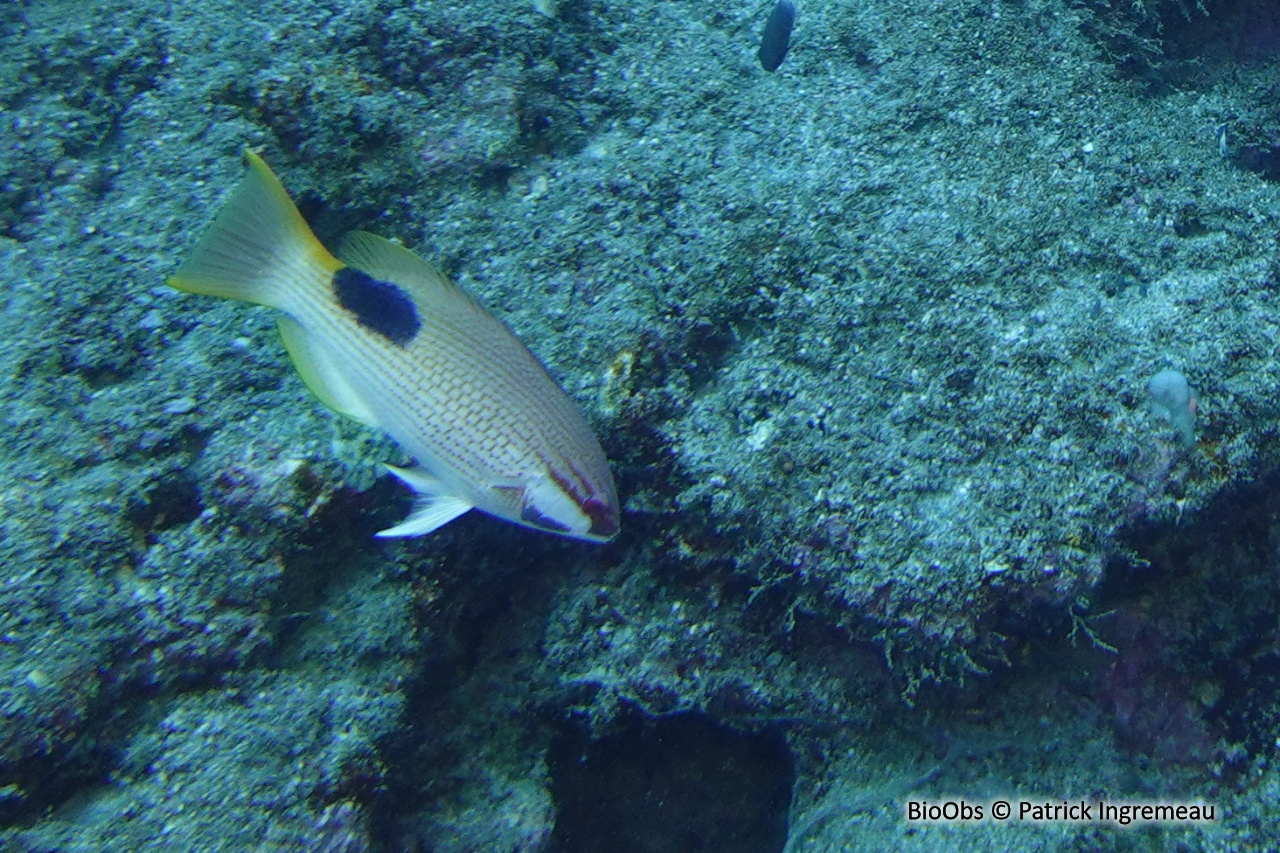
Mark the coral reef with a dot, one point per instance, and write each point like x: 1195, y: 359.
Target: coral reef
x: 867, y: 340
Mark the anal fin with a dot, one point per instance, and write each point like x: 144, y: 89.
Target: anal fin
x: 320, y: 373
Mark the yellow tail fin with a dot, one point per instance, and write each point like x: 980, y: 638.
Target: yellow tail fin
x: 258, y: 248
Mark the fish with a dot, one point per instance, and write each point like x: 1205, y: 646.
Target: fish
x: 776, y: 37
x: 380, y: 335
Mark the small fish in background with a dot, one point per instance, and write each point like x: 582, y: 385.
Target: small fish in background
x: 777, y: 35
x: 380, y: 335
x: 1173, y: 399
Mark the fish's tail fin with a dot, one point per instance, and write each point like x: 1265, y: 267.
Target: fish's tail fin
x: 259, y: 248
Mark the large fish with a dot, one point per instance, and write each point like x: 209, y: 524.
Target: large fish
x: 380, y: 335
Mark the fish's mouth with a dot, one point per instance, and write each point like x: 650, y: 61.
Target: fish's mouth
x: 604, y: 518
x: 599, y: 507
x: 570, y: 505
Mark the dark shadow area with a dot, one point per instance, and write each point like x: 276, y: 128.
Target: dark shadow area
x: 1192, y: 675
x: 678, y: 784
x: 1261, y: 157
x: 1222, y: 30
x: 1166, y: 44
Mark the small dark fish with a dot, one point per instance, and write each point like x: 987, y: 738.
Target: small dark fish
x: 777, y: 35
